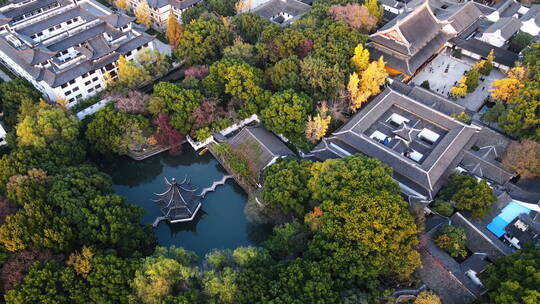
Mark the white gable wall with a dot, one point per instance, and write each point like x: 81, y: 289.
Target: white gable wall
x: 530, y: 27
x: 493, y: 38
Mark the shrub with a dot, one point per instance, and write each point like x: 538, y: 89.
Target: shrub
x: 452, y: 239
x: 443, y: 207
x: 425, y: 84
x: 469, y: 194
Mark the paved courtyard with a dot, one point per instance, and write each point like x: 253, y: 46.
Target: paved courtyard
x: 444, y: 71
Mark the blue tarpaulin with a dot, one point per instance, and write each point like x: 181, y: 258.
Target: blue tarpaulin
x: 507, y: 215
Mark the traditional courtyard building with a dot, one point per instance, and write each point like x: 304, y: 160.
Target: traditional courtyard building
x: 412, y: 38
x: 178, y: 203
x: 411, y: 130
x: 65, y: 48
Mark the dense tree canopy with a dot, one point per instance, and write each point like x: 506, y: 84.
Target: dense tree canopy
x: 12, y: 95
x: 514, y: 278
x: 287, y: 114
x: 202, y: 40
x: 285, y: 186
x: 452, y: 239
x: 469, y: 194
x: 112, y: 132
x: 180, y: 104
x: 49, y: 283
x: 45, y: 125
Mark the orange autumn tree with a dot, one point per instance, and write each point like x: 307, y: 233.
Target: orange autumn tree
x: 174, y: 30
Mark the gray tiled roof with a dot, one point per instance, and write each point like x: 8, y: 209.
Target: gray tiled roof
x: 184, y: 3
x: 81, y: 37
x: 479, y: 239
x: 532, y: 13
x: 508, y: 8
x: 269, y: 146
x: 272, y: 8
x: 158, y: 3
x: 485, y: 162
x: 434, y: 165
x: 96, y: 50
x: 507, y: 25
x: 410, y: 24
x: 56, y: 19
x: 502, y: 56
x: 404, y: 63
x: 465, y: 16
x: 117, y: 19
x: 32, y: 6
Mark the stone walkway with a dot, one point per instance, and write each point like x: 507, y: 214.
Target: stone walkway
x: 444, y: 70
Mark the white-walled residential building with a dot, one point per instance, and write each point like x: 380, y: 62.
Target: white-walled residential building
x: 160, y: 10
x: 66, y: 47
x: 531, y: 20
x: 501, y: 31
x: 2, y: 135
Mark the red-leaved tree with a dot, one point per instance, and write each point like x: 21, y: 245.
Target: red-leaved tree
x: 355, y: 15
x: 134, y: 103
x: 166, y: 135
x: 303, y: 49
x: 19, y: 263
x: 198, y: 71
x: 6, y: 208
x: 206, y: 113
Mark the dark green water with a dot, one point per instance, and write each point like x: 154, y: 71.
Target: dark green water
x: 220, y: 223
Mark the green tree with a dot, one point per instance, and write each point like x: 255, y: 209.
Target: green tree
x: 287, y: 114
x: 202, y: 41
x: 51, y: 159
x: 342, y: 179
x: 520, y: 41
x: 469, y: 194
x: 110, y: 222
x: 49, y: 283
x: 443, y: 207
x: 493, y: 114
x: 12, y: 95
x: 45, y: 125
x: 522, y: 117
x: 241, y: 51
x: 285, y: 186
x: 366, y: 237
x: 473, y: 77
x: 180, y: 104
x: 109, y: 280
x: 514, y: 278
x: 74, y: 187
x: 112, y: 132
x: 168, y: 270
x: 288, y: 241
x: 285, y: 74
x: 147, y: 65
x: 221, y: 7
x: 249, y: 26
x: 452, y: 239
x: 320, y: 79
x: 36, y: 226
x: 31, y: 187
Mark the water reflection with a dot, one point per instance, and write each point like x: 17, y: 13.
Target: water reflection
x: 220, y: 223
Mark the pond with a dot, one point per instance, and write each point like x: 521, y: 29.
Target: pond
x: 220, y: 223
